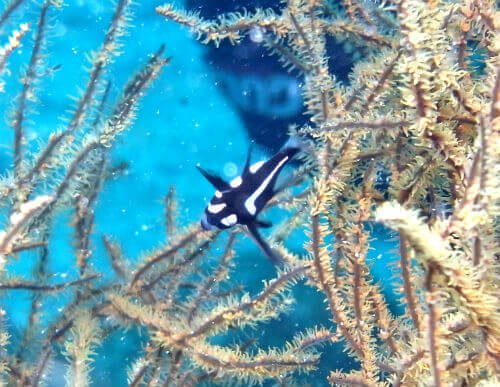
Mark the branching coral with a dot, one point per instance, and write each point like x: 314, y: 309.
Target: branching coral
x: 412, y: 141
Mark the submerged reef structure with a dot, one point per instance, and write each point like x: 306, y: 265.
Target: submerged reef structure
x: 411, y: 142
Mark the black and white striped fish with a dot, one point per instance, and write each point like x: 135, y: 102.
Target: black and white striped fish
x: 241, y: 200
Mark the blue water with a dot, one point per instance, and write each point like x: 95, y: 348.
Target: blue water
x: 187, y: 118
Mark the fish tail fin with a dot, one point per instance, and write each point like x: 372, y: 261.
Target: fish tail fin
x: 263, y: 246
x: 297, y: 143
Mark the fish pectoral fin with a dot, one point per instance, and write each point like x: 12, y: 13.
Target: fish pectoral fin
x: 217, y: 181
x: 263, y: 223
x: 263, y: 246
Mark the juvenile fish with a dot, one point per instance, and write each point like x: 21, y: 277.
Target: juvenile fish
x: 241, y: 200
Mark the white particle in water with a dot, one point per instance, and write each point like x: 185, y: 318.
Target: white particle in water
x: 256, y: 34
x: 230, y: 169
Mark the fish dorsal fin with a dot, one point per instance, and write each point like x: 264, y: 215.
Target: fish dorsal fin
x: 217, y: 181
x: 247, y: 162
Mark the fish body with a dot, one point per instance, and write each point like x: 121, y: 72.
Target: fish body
x: 241, y: 200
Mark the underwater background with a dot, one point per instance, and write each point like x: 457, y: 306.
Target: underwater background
x: 205, y: 109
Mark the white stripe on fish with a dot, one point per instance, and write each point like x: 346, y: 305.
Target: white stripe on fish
x: 236, y: 182
x: 250, y: 202
x: 229, y: 220
x: 216, y: 208
x: 255, y: 167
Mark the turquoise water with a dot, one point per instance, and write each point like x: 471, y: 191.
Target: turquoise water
x: 186, y: 119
